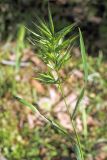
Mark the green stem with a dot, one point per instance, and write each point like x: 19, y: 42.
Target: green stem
x: 76, y: 134
x: 78, y: 140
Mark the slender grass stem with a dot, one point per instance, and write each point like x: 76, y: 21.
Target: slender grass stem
x: 76, y: 134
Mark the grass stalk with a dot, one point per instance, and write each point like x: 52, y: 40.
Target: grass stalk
x: 71, y: 120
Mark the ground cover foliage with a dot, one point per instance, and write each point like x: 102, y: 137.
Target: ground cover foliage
x: 24, y: 135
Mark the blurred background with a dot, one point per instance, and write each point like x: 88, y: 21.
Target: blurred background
x: 24, y: 135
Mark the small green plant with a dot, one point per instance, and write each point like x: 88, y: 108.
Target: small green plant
x: 55, y: 51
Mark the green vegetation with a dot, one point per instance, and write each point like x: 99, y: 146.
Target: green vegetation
x: 27, y: 135
x: 16, y: 133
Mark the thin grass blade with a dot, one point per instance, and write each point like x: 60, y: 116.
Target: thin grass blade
x: 84, y: 58
x: 24, y: 102
x: 35, y: 34
x: 62, y: 33
x: 77, y: 103
x: 42, y: 30
x: 20, y: 45
x: 42, y: 22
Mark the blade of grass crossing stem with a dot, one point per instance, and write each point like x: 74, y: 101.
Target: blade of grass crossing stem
x: 34, y: 109
x: 84, y: 58
x: 77, y: 103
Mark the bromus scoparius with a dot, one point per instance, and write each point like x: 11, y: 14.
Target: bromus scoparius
x: 55, y: 51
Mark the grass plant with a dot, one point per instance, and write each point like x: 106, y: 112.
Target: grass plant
x: 55, y: 51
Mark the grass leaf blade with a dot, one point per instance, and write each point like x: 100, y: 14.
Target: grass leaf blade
x: 77, y: 103
x: 84, y: 58
x: 24, y: 102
